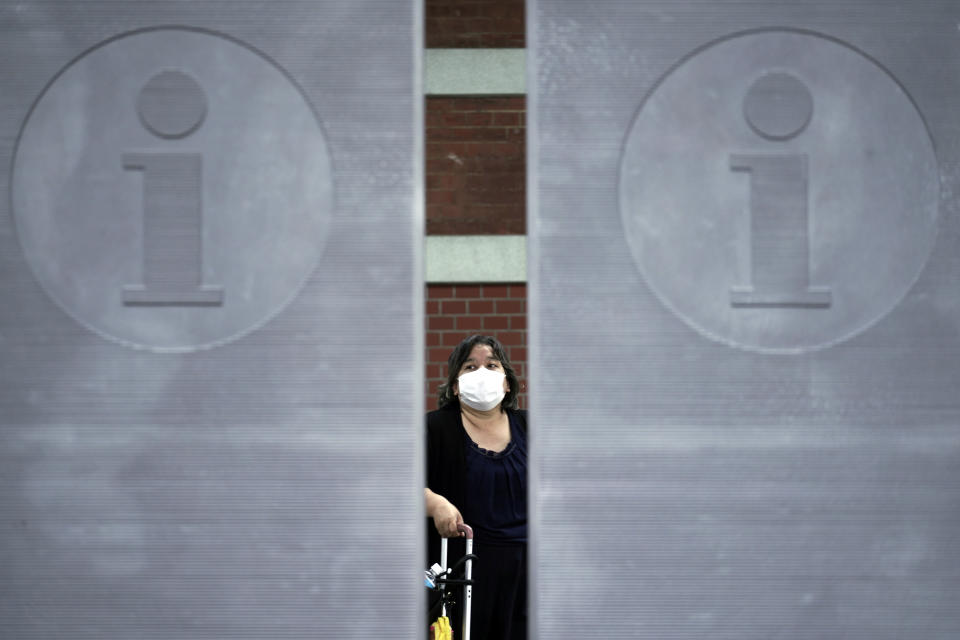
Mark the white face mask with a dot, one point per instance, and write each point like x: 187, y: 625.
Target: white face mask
x: 481, y: 389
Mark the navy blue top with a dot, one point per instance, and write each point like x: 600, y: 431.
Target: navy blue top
x: 496, y: 500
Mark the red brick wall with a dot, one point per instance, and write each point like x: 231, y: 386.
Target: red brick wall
x: 474, y: 23
x: 475, y: 165
x: 455, y: 312
x: 476, y: 179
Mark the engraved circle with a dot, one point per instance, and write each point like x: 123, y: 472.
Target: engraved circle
x: 783, y: 243
x: 778, y: 106
x: 172, y: 104
x: 156, y: 232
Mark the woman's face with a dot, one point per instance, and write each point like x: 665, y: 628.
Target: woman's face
x: 481, y: 356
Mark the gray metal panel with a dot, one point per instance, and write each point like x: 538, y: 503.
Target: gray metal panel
x: 745, y: 319
x: 210, y: 274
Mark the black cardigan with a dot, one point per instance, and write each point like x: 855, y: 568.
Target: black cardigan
x: 447, y: 467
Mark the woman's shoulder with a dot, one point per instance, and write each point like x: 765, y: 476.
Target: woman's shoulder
x: 444, y: 432
x: 445, y: 415
x: 520, y: 415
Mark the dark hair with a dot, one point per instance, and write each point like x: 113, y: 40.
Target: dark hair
x: 460, y: 355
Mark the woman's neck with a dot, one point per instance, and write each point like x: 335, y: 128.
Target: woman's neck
x: 481, y: 419
x: 488, y: 429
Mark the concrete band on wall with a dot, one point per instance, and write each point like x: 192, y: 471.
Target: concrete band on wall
x: 475, y: 72
x: 451, y: 259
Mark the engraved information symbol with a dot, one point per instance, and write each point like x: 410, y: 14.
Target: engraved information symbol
x: 171, y: 106
x: 779, y: 191
x: 172, y: 189
x: 777, y: 107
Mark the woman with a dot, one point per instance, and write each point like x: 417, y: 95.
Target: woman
x: 477, y: 473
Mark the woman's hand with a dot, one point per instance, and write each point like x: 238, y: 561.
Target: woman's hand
x: 445, y: 516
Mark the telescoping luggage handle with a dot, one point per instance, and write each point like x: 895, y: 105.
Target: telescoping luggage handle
x: 468, y: 574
